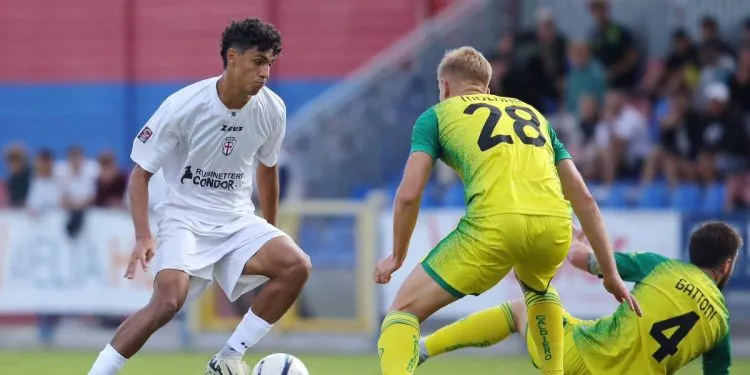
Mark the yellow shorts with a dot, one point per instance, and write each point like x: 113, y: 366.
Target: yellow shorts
x: 572, y: 362
x: 481, y: 251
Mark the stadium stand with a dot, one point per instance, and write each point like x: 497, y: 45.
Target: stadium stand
x: 369, y: 109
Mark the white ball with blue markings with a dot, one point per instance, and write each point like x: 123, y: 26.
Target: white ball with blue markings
x: 280, y: 364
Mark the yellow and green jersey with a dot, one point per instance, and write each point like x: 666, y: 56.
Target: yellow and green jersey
x: 503, y: 149
x: 684, y: 316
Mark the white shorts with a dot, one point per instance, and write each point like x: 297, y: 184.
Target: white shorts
x: 210, y: 253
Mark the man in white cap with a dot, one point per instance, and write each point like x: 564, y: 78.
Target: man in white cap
x: 726, y: 143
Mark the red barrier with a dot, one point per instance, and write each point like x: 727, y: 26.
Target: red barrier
x: 167, y: 40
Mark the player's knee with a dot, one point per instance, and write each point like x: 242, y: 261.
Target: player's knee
x: 166, y: 308
x: 406, y: 305
x: 404, y: 302
x: 400, y: 306
x: 301, y: 267
x: 297, y: 268
x: 419, y: 312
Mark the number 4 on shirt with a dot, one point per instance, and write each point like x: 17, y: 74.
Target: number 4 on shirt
x: 668, y: 345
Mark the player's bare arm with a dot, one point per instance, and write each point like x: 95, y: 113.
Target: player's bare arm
x: 268, y: 191
x: 405, y: 212
x: 580, y: 251
x: 588, y: 213
x: 143, y: 251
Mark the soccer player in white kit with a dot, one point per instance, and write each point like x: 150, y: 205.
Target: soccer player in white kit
x: 208, y: 139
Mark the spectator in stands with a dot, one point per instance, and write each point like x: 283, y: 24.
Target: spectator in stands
x: 614, y: 47
x: 586, y: 76
x: 508, y: 76
x: 726, y: 144
x: 745, y: 36
x: 78, y: 190
x: 663, y: 95
x: 3, y: 195
x: 710, y: 34
x: 542, y: 54
x: 680, y: 132
x: 588, y: 119
x: 19, y: 177
x: 740, y: 82
x: 622, y: 138
x: 682, y: 51
x: 588, y: 116
x: 681, y: 60
x: 111, y: 184
x: 89, y: 168
x: 45, y: 193
x: 500, y: 69
x: 285, y: 176
x: 716, y: 66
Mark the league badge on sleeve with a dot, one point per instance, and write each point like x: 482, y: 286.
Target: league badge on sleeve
x: 145, y: 134
x: 227, y: 145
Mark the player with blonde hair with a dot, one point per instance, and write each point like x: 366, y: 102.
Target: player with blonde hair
x: 516, y: 175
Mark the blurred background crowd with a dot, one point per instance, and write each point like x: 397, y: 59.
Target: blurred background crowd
x: 42, y: 182
x: 646, y: 131
x: 641, y: 129
x: 73, y: 182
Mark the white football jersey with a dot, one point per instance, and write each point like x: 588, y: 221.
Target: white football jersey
x: 208, y: 152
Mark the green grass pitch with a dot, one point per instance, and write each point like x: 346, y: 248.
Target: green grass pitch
x: 77, y: 363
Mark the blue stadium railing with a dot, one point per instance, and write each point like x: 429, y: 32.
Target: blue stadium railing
x: 686, y: 198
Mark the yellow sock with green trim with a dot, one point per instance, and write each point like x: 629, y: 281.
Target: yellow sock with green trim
x: 481, y: 329
x: 398, y: 346
x: 545, y: 319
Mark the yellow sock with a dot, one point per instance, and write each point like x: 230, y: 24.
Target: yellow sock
x: 481, y: 329
x: 545, y: 317
x: 398, y: 346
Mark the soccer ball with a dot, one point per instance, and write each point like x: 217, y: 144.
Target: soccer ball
x: 280, y: 364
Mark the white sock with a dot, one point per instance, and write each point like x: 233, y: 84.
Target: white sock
x: 250, y: 330
x: 109, y: 362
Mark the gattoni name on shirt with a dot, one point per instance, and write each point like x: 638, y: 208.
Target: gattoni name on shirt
x: 708, y: 310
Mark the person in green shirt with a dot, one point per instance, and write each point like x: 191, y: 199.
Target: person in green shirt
x: 684, y: 314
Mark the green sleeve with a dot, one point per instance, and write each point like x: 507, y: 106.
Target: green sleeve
x: 424, y: 137
x: 561, y: 153
x: 632, y: 267
x: 718, y: 360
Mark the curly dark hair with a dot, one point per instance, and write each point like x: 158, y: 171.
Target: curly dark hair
x: 712, y: 243
x: 248, y: 34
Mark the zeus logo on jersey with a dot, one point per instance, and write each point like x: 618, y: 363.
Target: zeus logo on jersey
x: 229, y: 128
x: 213, y: 179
